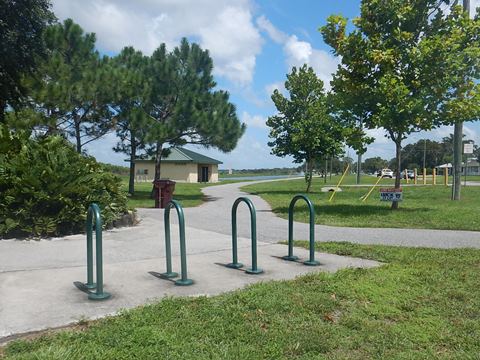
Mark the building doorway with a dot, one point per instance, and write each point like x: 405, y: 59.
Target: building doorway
x: 204, y: 174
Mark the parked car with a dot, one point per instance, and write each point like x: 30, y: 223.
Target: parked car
x: 410, y: 174
x: 386, y: 173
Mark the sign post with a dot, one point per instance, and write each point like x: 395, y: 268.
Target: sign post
x: 467, y: 149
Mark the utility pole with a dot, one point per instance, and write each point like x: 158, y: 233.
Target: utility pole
x: 424, y: 152
x: 457, y: 141
x: 359, y: 167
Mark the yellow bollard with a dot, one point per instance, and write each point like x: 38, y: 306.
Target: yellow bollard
x: 434, y: 174
x: 445, y: 176
x: 365, y: 197
x: 415, y: 176
x: 424, y: 176
x: 406, y: 175
x: 341, y: 179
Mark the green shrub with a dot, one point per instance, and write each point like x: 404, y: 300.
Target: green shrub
x: 46, y: 187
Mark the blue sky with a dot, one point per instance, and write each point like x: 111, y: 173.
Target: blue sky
x: 253, y: 44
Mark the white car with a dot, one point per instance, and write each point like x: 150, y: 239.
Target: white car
x: 386, y: 173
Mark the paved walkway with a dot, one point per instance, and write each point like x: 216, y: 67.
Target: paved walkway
x: 215, y: 215
x: 36, y: 277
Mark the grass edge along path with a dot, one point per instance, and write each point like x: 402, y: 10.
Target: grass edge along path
x: 423, y: 207
x: 423, y: 303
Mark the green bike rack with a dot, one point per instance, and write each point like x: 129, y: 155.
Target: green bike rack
x: 93, y: 215
x: 290, y: 256
x: 253, y: 225
x: 184, y: 281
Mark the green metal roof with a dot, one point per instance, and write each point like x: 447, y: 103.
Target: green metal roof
x: 182, y: 155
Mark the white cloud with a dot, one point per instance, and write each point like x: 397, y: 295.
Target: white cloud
x: 298, y: 52
x: 276, y: 35
x: 225, y: 27
x: 270, y: 88
x: 257, y: 121
x: 249, y: 154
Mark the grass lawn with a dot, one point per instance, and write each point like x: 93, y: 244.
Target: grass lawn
x: 423, y: 304
x: 371, y: 179
x: 423, y: 206
x: 189, y: 194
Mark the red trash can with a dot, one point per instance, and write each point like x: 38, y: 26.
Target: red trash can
x: 163, y: 192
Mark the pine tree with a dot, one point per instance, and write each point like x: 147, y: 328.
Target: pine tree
x: 182, y: 105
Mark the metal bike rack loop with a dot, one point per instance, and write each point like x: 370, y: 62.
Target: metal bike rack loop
x: 290, y: 257
x: 253, y: 227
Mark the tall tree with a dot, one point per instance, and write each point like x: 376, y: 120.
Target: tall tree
x: 466, y: 90
x: 131, y: 87
x: 303, y: 127
x: 22, y: 24
x: 372, y: 165
x: 396, y: 60
x: 73, y: 87
x: 182, y: 105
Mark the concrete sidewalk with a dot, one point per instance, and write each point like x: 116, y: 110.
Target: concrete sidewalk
x: 36, y: 279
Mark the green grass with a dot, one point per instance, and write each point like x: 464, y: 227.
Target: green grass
x: 423, y: 206
x: 251, y: 174
x: 422, y: 304
x: 189, y: 194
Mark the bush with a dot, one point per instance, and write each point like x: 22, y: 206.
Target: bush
x: 46, y: 187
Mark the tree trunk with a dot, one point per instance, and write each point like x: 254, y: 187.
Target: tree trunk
x: 325, y: 172
x: 77, y: 137
x: 457, y: 160
x: 2, y: 111
x: 309, y: 174
x: 158, y: 159
x: 331, y: 167
x: 398, y: 161
x: 133, y: 155
x: 359, y: 168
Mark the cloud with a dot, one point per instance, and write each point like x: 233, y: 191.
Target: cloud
x: 270, y: 88
x: 249, y: 154
x: 225, y: 27
x: 276, y: 35
x: 257, y: 121
x: 298, y: 52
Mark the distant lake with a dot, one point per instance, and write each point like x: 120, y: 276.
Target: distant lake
x: 259, y: 177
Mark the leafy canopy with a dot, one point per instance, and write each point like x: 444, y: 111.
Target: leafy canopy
x: 303, y: 127
x: 22, y: 24
x: 401, y: 63
x: 72, y: 89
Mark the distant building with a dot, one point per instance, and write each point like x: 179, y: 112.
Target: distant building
x: 473, y: 167
x: 180, y: 165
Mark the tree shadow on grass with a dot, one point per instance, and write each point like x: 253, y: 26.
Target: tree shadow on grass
x: 284, y: 192
x: 145, y: 196
x: 352, y: 210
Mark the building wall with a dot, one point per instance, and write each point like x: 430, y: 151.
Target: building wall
x: 182, y: 172
x: 212, y: 172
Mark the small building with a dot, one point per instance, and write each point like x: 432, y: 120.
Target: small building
x: 180, y: 165
x: 473, y: 167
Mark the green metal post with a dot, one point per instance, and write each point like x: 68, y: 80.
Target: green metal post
x: 253, y: 229
x: 90, y: 284
x: 94, y: 214
x: 184, y: 281
x: 290, y: 257
x: 234, y: 264
x: 168, y: 248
